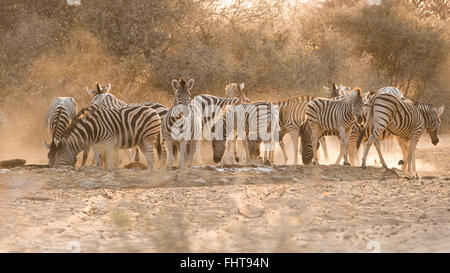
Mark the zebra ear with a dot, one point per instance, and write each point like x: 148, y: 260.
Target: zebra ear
x: 99, y: 88
x: 335, y: 87
x: 440, y: 110
x: 108, y: 88
x: 46, y: 144
x: 91, y: 92
x: 241, y: 86
x: 175, y: 84
x: 190, y: 84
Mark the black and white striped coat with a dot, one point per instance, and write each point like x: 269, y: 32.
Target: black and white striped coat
x: 111, y: 129
x: 246, y: 122
x: 292, y: 113
x: 212, y: 108
x: 334, y: 115
x: 57, y: 118
x: 181, y: 127
x: 403, y: 118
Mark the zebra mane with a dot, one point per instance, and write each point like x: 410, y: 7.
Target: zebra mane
x: 82, y: 114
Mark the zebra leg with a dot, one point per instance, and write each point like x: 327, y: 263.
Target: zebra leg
x: 341, y: 154
x: 366, y: 151
x: 283, y: 149
x: 170, y: 151
x: 147, y: 148
x: 247, y: 158
x: 109, y: 158
x: 323, y: 143
x: 192, y: 152
x: 182, y: 156
x: 403, y: 143
x: 294, y: 139
x: 85, y: 156
x: 344, y: 133
x: 199, y: 154
x: 351, y: 147
x: 377, y: 146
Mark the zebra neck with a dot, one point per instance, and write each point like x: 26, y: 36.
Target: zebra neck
x: 425, y: 112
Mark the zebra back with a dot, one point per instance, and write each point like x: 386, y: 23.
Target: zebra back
x: 59, y: 114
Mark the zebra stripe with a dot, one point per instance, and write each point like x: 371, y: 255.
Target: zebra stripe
x: 58, y: 116
x: 253, y: 121
x: 180, y: 125
x: 292, y: 113
x: 405, y: 119
x: 119, y: 128
x: 391, y: 90
x: 212, y: 107
x: 334, y: 115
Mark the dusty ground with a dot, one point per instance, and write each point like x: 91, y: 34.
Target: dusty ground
x: 253, y: 209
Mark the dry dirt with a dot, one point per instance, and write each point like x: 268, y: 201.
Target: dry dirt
x: 241, y: 209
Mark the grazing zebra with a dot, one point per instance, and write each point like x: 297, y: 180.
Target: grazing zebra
x: 212, y: 107
x: 233, y: 90
x: 405, y: 119
x: 181, y: 124
x: 334, y: 115
x: 256, y: 121
x: 111, y: 129
x: 58, y: 116
x: 292, y: 113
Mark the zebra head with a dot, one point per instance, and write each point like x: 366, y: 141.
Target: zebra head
x: 234, y: 90
x: 218, y: 147
x: 51, y: 152
x: 336, y: 91
x: 182, y: 91
x: 64, y: 156
x: 100, y: 89
x: 432, y: 120
x: 356, y: 101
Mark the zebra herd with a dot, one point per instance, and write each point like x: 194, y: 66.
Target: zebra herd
x: 110, y: 124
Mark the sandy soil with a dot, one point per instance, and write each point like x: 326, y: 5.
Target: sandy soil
x: 246, y: 209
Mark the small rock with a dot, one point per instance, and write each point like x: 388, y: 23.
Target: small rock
x: 200, y: 180
x: 90, y: 184
x: 446, y: 178
x: 295, y: 179
x: 224, y: 180
x: 3, y: 171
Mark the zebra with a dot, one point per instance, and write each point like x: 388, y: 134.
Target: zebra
x: 256, y: 121
x: 388, y: 144
x: 103, y: 97
x: 405, y: 119
x: 292, y: 113
x: 233, y: 90
x: 57, y: 118
x: 212, y: 107
x: 181, y: 123
x: 334, y: 114
x: 110, y: 128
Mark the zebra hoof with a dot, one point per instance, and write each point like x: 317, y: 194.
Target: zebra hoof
x: 363, y: 166
x: 346, y: 164
x: 236, y: 159
x: 401, y: 162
